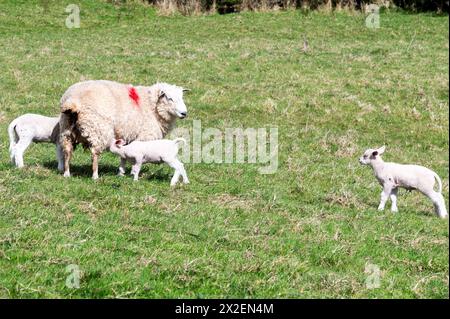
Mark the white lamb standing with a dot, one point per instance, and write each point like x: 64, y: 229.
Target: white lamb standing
x: 411, y: 177
x: 33, y: 128
x: 156, y: 151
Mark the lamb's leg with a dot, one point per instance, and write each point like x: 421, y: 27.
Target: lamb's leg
x: 135, y: 170
x: 21, y: 146
x: 438, y: 202
x: 95, y: 156
x: 12, y: 154
x: 60, y: 157
x: 175, y: 178
x: 394, y: 200
x: 183, y: 173
x: 387, y: 188
x: 67, y: 150
x: 179, y: 170
x: 122, y: 167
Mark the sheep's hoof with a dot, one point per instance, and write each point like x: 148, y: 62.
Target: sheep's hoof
x: 66, y: 174
x: 95, y: 177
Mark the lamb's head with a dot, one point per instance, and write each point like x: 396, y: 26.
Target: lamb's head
x: 170, y: 102
x: 371, y: 155
x: 116, y: 145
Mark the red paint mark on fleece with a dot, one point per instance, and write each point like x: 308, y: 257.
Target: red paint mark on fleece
x: 133, y: 95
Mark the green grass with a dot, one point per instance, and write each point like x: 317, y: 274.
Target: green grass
x: 306, y: 231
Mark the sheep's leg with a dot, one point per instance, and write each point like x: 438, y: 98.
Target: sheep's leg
x: 21, y: 146
x: 94, y: 155
x: 135, y: 171
x: 67, y: 150
x: 122, y: 167
x: 384, y: 196
x: 438, y: 202
x: 393, y: 197
x: 60, y: 157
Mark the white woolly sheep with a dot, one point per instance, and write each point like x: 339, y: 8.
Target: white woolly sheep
x: 157, y: 151
x: 94, y: 112
x: 33, y: 128
x: 411, y: 177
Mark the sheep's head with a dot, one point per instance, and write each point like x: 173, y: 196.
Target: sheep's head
x: 371, y: 155
x: 170, y: 102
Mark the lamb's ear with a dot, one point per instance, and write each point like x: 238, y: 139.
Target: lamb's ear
x: 186, y: 90
x: 119, y: 143
x: 381, y: 149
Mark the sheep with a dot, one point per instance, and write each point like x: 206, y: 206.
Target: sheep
x: 94, y: 112
x: 411, y: 177
x: 156, y: 151
x: 33, y: 128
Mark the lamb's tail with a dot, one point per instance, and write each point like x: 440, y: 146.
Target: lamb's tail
x: 179, y: 139
x: 12, y: 137
x: 439, y: 182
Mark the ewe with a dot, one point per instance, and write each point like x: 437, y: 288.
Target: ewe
x: 94, y: 112
x: 33, y: 128
x: 157, y: 151
x: 412, y: 177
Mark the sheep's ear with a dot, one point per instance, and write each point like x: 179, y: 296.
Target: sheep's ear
x: 381, y: 149
x: 186, y: 90
x: 161, y: 94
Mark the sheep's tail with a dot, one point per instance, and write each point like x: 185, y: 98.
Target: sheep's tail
x: 179, y: 139
x: 12, y: 136
x: 439, y: 182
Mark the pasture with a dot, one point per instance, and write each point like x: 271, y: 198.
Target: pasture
x: 310, y: 230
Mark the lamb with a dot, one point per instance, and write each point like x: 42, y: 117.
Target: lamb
x: 156, y: 151
x: 33, y: 128
x: 411, y: 177
x: 94, y: 112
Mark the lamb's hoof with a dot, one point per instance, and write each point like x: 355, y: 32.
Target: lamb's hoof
x: 95, y: 177
x: 120, y: 174
x: 395, y: 210
x: 66, y: 174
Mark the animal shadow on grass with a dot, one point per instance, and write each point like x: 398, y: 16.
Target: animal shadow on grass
x: 85, y: 169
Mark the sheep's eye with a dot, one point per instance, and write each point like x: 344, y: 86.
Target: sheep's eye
x: 365, y: 156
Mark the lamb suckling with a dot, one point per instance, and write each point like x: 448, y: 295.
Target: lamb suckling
x: 30, y: 128
x: 94, y: 112
x: 412, y: 177
x: 157, y: 151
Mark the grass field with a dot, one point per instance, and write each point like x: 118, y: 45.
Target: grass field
x: 311, y: 230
